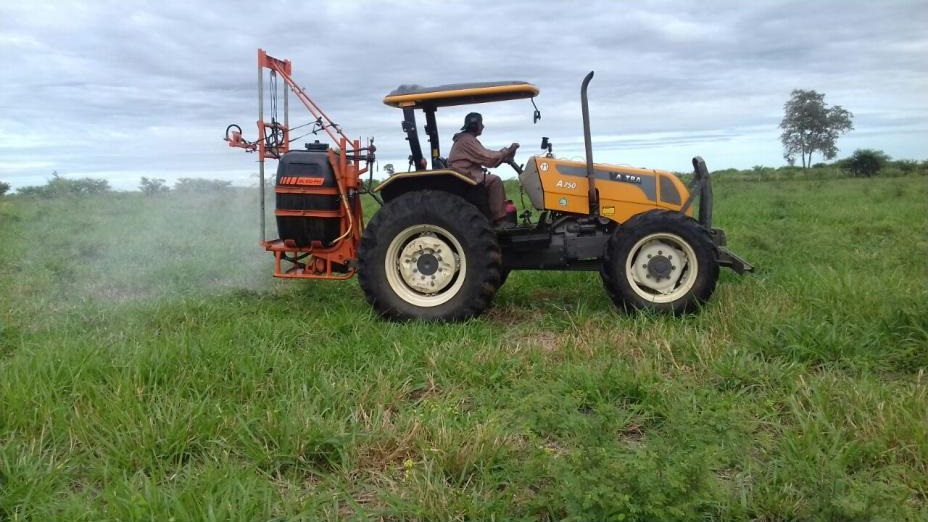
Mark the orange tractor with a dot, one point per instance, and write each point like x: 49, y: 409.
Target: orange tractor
x: 431, y: 252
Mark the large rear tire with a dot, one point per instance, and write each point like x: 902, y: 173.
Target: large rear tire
x: 503, y: 276
x: 429, y: 255
x: 661, y: 261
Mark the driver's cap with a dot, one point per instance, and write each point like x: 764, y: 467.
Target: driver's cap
x: 471, y: 121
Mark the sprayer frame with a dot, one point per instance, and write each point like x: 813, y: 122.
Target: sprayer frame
x: 316, y: 261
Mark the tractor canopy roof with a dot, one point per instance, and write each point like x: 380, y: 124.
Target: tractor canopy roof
x: 416, y: 96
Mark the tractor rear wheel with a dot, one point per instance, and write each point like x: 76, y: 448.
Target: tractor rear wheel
x: 503, y: 276
x: 429, y: 255
x: 662, y: 261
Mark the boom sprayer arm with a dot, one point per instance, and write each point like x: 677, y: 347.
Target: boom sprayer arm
x: 235, y: 139
x: 275, y: 134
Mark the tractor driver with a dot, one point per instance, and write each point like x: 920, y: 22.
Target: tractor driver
x: 468, y: 156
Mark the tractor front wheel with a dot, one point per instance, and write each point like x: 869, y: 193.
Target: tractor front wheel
x: 662, y: 261
x: 429, y: 255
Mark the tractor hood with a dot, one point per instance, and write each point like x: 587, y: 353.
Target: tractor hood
x: 416, y: 96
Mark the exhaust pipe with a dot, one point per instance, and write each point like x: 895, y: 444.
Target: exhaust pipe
x: 593, y: 196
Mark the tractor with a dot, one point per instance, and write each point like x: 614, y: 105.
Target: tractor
x: 430, y: 252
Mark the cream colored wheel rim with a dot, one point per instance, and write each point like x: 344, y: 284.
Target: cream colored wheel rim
x: 425, y: 265
x: 661, y: 268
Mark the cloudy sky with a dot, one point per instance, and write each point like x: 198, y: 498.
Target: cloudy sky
x: 125, y: 89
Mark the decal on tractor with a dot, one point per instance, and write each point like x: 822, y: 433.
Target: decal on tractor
x: 297, y: 180
x: 625, y: 178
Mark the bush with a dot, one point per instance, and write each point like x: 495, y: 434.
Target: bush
x: 153, y: 186
x: 906, y: 167
x: 865, y: 162
x: 34, y: 191
x: 58, y: 186
x: 789, y: 172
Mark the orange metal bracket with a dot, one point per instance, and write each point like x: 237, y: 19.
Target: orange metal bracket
x: 336, y: 260
x: 317, y: 261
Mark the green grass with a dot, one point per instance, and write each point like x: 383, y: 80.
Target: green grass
x: 151, y: 369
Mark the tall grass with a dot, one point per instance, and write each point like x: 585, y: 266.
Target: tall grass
x: 150, y: 368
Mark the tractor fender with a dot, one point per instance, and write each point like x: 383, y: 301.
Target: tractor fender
x: 445, y: 180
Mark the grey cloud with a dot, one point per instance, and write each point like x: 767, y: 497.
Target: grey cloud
x: 143, y: 88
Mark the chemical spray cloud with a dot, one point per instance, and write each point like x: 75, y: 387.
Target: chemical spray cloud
x: 114, y: 250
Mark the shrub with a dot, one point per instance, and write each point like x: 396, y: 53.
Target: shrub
x: 789, y: 172
x: 906, y: 167
x: 153, y: 186
x: 865, y: 162
x: 59, y: 186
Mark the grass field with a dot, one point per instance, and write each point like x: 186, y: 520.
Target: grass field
x: 151, y: 369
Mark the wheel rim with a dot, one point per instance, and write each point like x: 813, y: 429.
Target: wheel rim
x: 425, y: 265
x: 661, y: 268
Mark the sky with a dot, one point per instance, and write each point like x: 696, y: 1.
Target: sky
x: 125, y: 89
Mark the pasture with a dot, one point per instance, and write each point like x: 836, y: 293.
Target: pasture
x: 152, y: 369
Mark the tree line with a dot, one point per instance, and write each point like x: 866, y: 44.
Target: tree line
x: 809, y: 125
x: 862, y: 163
x: 58, y: 186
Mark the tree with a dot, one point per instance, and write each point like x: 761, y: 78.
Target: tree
x: 906, y: 167
x: 59, y: 186
x: 866, y: 162
x: 810, y: 126
x: 4, y: 187
x: 153, y: 185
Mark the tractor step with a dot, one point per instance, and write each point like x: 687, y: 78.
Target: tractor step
x: 521, y: 238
